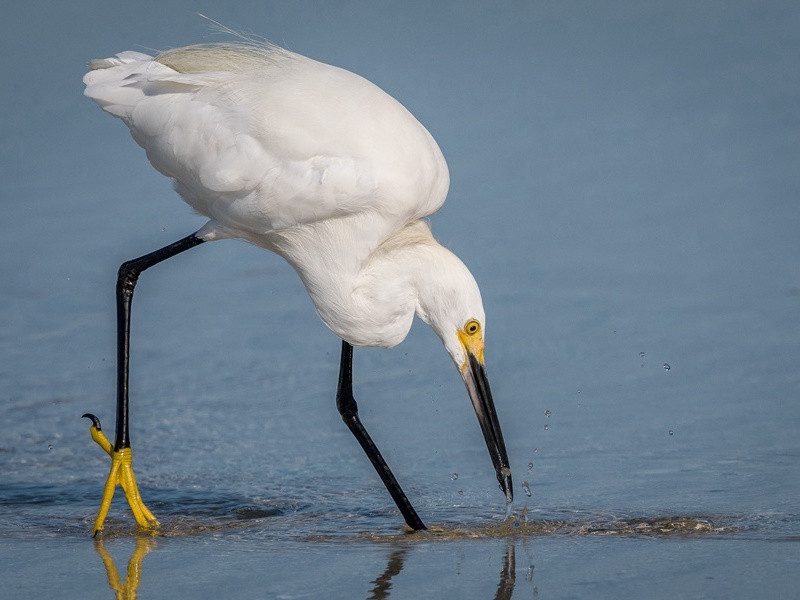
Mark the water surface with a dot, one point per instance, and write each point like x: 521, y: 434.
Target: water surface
x: 624, y: 188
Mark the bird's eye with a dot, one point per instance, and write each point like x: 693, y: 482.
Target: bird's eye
x: 472, y: 327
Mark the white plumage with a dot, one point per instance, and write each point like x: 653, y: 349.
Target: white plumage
x: 322, y: 167
x: 305, y: 159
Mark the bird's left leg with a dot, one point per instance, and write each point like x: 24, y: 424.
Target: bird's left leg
x: 346, y: 404
x: 121, y: 472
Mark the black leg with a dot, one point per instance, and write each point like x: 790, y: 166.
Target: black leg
x: 121, y: 473
x: 126, y: 281
x: 349, y: 410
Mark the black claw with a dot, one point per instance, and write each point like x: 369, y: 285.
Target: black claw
x: 95, y: 420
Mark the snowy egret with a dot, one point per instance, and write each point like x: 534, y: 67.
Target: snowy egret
x: 322, y: 167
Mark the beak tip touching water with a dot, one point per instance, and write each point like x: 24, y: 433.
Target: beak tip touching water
x: 506, y: 485
x: 481, y: 396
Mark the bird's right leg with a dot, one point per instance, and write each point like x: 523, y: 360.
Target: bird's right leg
x: 121, y: 470
x: 346, y: 404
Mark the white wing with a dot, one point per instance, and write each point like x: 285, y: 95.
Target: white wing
x: 260, y: 139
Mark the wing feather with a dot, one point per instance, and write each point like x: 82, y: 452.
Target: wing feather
x: 261, y: 139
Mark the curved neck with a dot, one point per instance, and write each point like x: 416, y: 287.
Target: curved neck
x: 369, y: 294
x: 412, y: 273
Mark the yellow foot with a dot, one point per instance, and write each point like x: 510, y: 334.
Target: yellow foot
x: 121, y: 474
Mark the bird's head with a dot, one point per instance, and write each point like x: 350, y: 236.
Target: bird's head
x: 449, y: 300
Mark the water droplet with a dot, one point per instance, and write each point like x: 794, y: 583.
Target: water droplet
x: 671, y: 432
x: 546, y: 427
x: 529, y: 573
x: 536, y: 450
x: 547, y: 413
x: 667, y: 367
x: 460, y: 492
x: 530, y: 467
x: 641, y: 354
x: 526, y: 487
x: 49, y: 446
x: 453, y: 476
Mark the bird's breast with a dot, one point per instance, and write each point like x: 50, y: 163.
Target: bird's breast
x: 359, y: 291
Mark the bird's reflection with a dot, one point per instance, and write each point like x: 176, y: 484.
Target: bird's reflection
x: 125, y: 588
x: 505, y: 587
x: 507, y: 574
x: 383, y: 583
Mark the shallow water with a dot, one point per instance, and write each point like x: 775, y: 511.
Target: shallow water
x: 624, y: 188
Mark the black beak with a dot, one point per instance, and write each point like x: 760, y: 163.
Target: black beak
x: 481, y: 395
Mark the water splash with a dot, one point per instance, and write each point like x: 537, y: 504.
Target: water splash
x: 529, y: 573
x: 514, y: 525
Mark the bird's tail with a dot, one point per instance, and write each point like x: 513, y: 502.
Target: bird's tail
x: 114, y: 83
x: 123, y: 58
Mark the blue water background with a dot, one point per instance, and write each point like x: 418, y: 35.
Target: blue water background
x: 625, y: 187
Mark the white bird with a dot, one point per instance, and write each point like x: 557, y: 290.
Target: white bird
x: 322, y: 167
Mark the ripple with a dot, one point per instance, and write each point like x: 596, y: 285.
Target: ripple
x: 522, y: 526
x: 59, y: 511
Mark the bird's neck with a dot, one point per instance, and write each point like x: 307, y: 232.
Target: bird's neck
x: 369, y: 294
